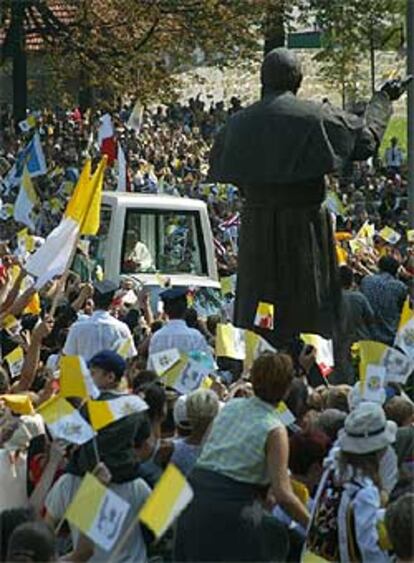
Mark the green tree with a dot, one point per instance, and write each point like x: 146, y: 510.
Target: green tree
x: 352, y: 30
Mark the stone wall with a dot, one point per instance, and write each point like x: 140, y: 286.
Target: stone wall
x: 215, y: 85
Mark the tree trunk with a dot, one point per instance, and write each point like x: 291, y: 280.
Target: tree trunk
x: 372, y: 58
x: 274, y: 27
x: 19, y: 65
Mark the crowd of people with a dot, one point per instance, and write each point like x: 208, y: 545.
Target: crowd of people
x: 334, y: 479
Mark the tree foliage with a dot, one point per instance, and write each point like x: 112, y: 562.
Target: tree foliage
x: 350, y: 29
x: 136, y: 46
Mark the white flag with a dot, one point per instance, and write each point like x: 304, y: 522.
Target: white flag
x: 53, y: 256
x: 136, y: 117
x: 122, y: 170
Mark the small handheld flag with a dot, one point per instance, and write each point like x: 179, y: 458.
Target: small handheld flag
x: 169, y: 498
x: 65, y: 422
x: 98, y: 512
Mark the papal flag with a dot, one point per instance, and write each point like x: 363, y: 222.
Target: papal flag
x: 398, y: 366
x: 230, y: 342
x: 75, y: 379
x: 171, y: 495
x: 18, y: 404
x: 26, y: 200
x: 103, y: 413
x: 389, y: 235
x: 27, y: 123
x: 405, y: 334
x: 15, y: 360
x: 65, y: 422
x: 98, y: 512
x: 81, y: 217
x: 255, y: 346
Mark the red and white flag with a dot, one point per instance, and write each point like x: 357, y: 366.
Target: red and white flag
x: 106, y: 138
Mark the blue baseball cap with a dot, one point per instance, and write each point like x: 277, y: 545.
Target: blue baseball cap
x: 173, y: 293
x: 109, y: 361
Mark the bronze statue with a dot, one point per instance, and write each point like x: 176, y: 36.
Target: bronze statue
x: 277, y: 152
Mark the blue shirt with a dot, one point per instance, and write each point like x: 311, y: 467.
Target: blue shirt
x: 386, y: 296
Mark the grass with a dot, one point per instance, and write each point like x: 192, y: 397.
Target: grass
x: 397, y: 127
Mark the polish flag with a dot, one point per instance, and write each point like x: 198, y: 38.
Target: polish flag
x: 106, y: 138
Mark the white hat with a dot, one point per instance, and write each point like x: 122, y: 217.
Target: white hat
x: 180, y: 412
x: 366, y: 430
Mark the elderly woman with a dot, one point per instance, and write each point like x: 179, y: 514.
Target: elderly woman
x: 245, y: 457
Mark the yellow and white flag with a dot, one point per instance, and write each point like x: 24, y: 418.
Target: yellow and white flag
x: 26, y: 200
x: 65, y: 422
x: 190, y: 372
x: 169, y: 498
x: 410, y: 235
x: 389, y: 235
x: 366, y: 234
x: 284, y: 414
x: 103, y: 413
x: 15, y: 361
x: 164, y: 361
x: 230, y: 342
x: 324, y: 352
x: 98, y: 512
x: 255, y: 346
x: 126, y: 348
x: 265, y: 316
x: 397, y: 365
x: 81, y: 217
x: 405, y: 334
x: 19, y: 404
x: 27, y: 123
x: 75, y: 379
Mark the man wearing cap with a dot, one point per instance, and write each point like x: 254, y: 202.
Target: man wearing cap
x: 101, y: 331
x: 176, y: 333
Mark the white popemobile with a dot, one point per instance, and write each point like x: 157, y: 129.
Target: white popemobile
x: 151, y: 238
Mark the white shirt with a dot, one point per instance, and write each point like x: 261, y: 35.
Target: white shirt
x: 100, y: 332
x: 176, y: 334
x: 134, y: 492
x: 394, y: 156
x: 142, y: 256
x: 366, y: 507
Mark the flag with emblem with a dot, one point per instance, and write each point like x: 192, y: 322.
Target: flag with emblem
x: 398, y: 366
x: 75, y: 379
x: 171, y: 495
x: 65, y: 422
x: 405, y: 334
x: 97, y: 512
x: 15, y: 360
x: 103, y: 413
x: 164, y: 361
x: 389, y: 235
